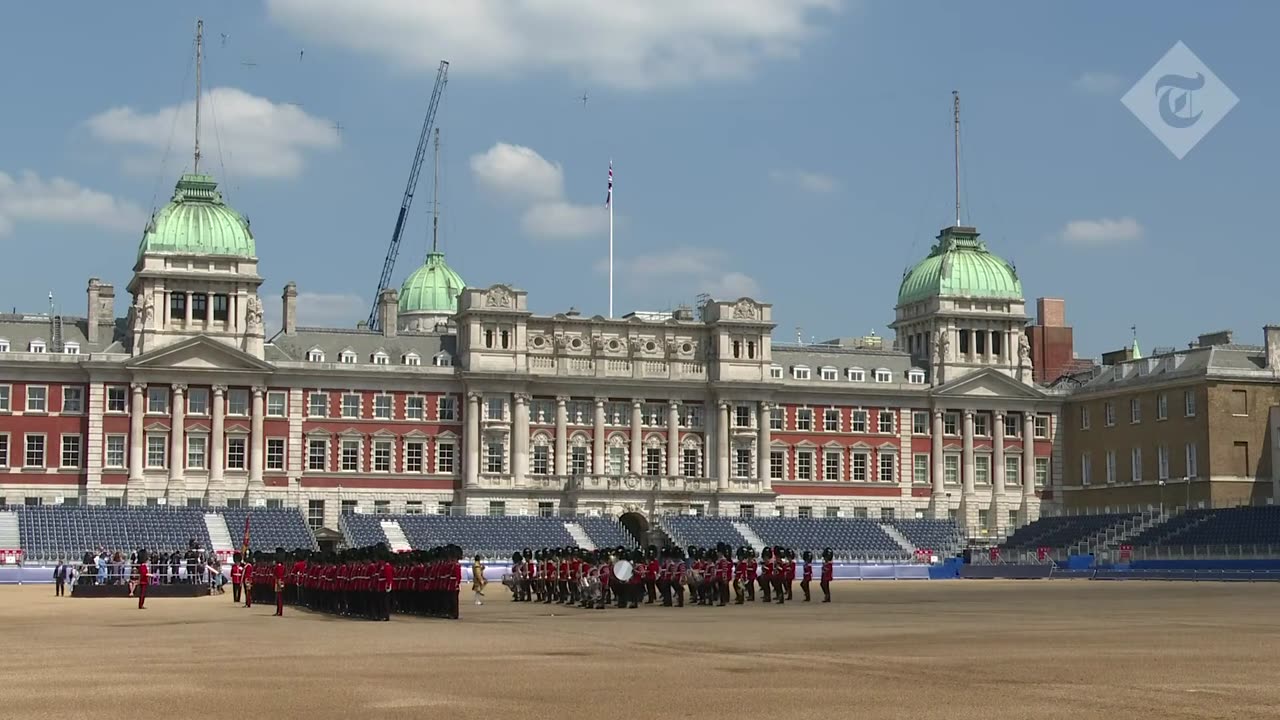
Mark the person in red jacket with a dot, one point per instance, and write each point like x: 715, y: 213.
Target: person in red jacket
x: 277, y: 572
x: 144, y: 578
x: 808, y: 574
x: 237, y: 577
x: 828, y: 573
x: 678, y: 570
x: 247, y: 580
x: 766, y: 574
x: 651, y: 575
x: 635, y: 586
x: 388, y: 577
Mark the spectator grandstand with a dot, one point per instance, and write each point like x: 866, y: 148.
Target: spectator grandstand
x: 1216, y: 527
x: 848, y: 538
x: 496, y: 537
x: 1064, y: 531
x: 49, y: 532
x: 269, y: 528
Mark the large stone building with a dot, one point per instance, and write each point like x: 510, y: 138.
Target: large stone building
x: 1194, y: 427
x: 464, y: 398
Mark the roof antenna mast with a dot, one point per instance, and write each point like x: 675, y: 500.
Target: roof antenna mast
x: 955, y: 101
x: 195, y: 170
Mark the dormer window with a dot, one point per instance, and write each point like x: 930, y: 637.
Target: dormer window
x: 71, y: 348
x: 36, y: 346
x: 915, y: 377
x: 829, y: 373
x: 856, y: 375
x: 443, y: 359
x: 800, y: 372
x: 412, y: 359
x: 381, y: 358
x: 347, y: 357
x: 4, y: 345
x: 315, y: 355
x: 775, y: 372
x: 883, y: 375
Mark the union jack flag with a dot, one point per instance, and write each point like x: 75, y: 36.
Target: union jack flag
x: 608, y: 198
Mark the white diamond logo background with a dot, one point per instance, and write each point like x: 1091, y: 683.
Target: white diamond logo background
x: 1180, y: 100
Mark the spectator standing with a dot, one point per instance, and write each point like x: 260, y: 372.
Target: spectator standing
x: 60, y: 578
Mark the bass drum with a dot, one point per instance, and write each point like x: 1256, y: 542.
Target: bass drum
x: 623, y: 570
x: 510, y: 581
x: 693, y: 578
x: 591, y: 590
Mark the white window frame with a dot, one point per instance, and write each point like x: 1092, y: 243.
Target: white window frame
x: 1162, y: 406
x: 1189, y: 403
x: 1191, y: 460
x: 858, y: 421
x: 415, y: 407
x: 921, y: 469
x: 1111, y: 467
x: 78, y: 451
x: 356, y: 446
x: 71, y: 348
x: 315, y: 355
x: 312, y: 444
x: 777, y: 464
x: 1162, y: 462
x: 888, y: 467
x: 829, y: 373
x: 742, y: 457
x: 886, y: 418
x: 387, y: 409
x: 775, y: 372
x: 197, y: 401
x: 349, y: 412
x: 1135, y: 411
x: 495, y: 456
x: 1012, y: 469
x: 238, y: 402
x: 915, y: 377
x: 36, y: 346
x: 380, y: 358
x: 832, y: 465
x: 446, y: 459
x: 920, y: 422
x: 44, y: 399
x: 777, y: 418
x: 982, y: 469
x: 277, y: 399
x: 68, y: 390
x: 800, y: 372
x: 860, y: 466
x: 157, y: 397
x: 1135, y: 465
x: 347, y: 357
x: 450, y: 402
x: 415, y: 456
x: 27, y: 452
x: 160, y: 441
x: 1041, y: 471
x: 1109, y: 413
x: 6, y: 398
x: 951, y: 469
x: 113, y: 458
x: 804, y: 458
x: 383, y: 452
x: 951, y: 424
x: 1040, y: 427
x: 831, y: 420
x: 856, y: 374
x: 1084, y: 417
x: 4, y: 345
x: 202, y: 442
x: 1086, y: 470
x: 412, y: 359
x: 442, y: 359
x: 275, y: 460
x: 884, y: 375
x: 243, y: 461
x: 804, y: 419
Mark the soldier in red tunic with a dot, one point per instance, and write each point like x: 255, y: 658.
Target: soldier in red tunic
x: 828, y: 573
x: 278, y: 576
x: 678, y: 569
x: 247, y: 580
x: 766, y: 574
x: 237, y: 577
x: 808, y: 574
x: 144, y: 578
x: 752, y: 570
x: 651, y: 575
x: 635, y: 586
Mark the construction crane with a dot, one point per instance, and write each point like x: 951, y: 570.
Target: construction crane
x: 389, y: 265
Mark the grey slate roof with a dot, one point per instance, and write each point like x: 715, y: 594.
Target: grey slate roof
x: 1234, y: 360
x: 20, y: 329
x: 817, y: 356
x: 364, y: 343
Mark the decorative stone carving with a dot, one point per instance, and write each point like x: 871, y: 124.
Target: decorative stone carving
x: 940, y: 343
x: 499, y: 297
x: 179, y: 388
x: 561, y: 342
x: 253, y: 315
x: 597, y: 343
x: 635, y: 344
x: 219, y: 390
x: 745, y: 310
x: 1024, y: 350
x: 148, y: 310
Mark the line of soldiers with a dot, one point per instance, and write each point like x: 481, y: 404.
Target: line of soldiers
x: 592, y: 579
x: 369, y: 583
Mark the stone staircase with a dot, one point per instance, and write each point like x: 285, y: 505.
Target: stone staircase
x: 396, y: 539
x: 898, y: 537
x: 10, y: 538
x: 580, y: 536
x: 750, y: 536
x: 219, y: 534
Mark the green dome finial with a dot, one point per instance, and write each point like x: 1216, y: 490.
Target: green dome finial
x: 960, y: 265
x: 432, y: 289
x: 197, y: 222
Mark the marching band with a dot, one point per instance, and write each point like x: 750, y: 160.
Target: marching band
x: 628, y: 578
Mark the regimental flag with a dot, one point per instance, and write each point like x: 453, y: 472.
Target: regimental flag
x: 244, y: 545
x: 608, y: 198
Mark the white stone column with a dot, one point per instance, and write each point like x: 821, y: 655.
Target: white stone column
x: 597, y: 439
x: 520, y: 438
x: 1028, y: 456
x: 997, y: 456
x: 562, y: 435
x: 722, y: 445
x: 217, y: 443
x: 94, y: 444
x: 178, y: 442
x: 936, y: 460
x: 967, y: 458
x: 764, y: 440
x: 137, y: 443
x: 472, y: 439
x: 637, y: 436
x: 673, y: 438
x: 257, y: 446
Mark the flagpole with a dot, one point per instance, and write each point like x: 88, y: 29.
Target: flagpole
x: 610, y: 203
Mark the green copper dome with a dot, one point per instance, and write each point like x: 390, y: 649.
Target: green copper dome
x: 960, y: 265
x: 432, y: 288
x: 197, y: 222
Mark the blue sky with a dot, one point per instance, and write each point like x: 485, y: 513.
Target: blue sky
x: 795, y: 150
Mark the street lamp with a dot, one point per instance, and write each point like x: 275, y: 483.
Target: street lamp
x: 1161, y: 483
x: 1186, y: 479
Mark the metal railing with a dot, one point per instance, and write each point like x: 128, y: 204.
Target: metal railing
x: 1262, y: 551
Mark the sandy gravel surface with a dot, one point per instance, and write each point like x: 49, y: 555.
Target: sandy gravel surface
x: 919, y: 650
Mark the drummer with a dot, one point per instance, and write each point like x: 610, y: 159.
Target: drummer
x: 678, y: 570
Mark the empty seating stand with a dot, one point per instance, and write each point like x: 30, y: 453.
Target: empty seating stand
x: 849, y: 538
x: 1062, y: 531
x: 940, y: 536
x: 605, y: 532
x: 686, y: 530
x: 50, y: 532
x: 1220, y: 526
x: 269, y: 528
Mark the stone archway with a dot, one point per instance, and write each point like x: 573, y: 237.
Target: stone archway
x: 637, y: 524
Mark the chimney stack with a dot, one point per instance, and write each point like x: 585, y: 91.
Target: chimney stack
x: 1272, y: 335
x: 289, y: 315
x: 388, y: 308
x: 101, y: 310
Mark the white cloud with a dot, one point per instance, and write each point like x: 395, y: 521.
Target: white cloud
x: 258, y: 137
x: 632, y: 45
x: 30, y: 198
x: 522, y: 175
x: 1103, y: 231
x: 686, y: 270
x: 813, y: 182
x: 1099, y: 83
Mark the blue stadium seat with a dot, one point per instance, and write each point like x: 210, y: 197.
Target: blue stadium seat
x: 269, y: 528
x: 853, y: 538
x: 1062, y: 531
x: 49, y: 532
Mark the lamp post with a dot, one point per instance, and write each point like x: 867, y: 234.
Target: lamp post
x: 1161, y: 483
x: 1186, y: 479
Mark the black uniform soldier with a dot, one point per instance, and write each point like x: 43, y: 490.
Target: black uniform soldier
x: 808, y: 574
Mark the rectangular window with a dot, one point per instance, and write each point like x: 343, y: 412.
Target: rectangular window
x: 742, y: 462
x: 888, y: 464
x: 495, y: 453
x: 1041, y: 427
x: 1162, y: 462
x: 920, y: 423
x: 690, y: 415
x: 1109, y: 413
x: 4, y: 398
x: 349, y: 507
x: 1189, y: 403
x: 578, y: 459
x: 831, y: 465
x: 777, y: 418
x: 70, y: 451
x: 497, y: 508
x: 444, y: 458
x: 920, y: 471
x: 415, y: 407
x: 1086, y: 470
x: 275, y: 453
x: 690, y: 461
x: 236, y: 453
x: 117, y: 399
x: 414, y: 456
x: 831, y: 511
x: 37, y: 398
x: 238, y: 401
x: 317, y: 455
x: 382, y: 407
x: 858, y: 468
x: 199, y: 306
x: 981, y: 424
x: 197, y: 401
x: 1012, y: 470
x: 158, y: 400
x: 494, y: 407
x: 951, y: 469
x: 276, y: 404
x: 540, y: 461
x: 777, y: 464
x: 72, y: 400
x: 1042, y: 471
x: 115, y: 451
x: 741, y: 416
x: 804, y: 465
x: 350, y: 406
x: 196, y: 452
x: 546, y: 509
x: 886, y: 514
x: 804, y: 419
x: 350, y: 456
x: 1135, y: 410
x: 413, y: 507
x: 382, y: 456
x: 950, y: 423
x: 982, y: 469
x: 1111, y: 467
x: 1135, y: 464
x: 884, y: 424
x: 446, y: 408
x: 275, y: 503
x: 1192, y: 461
x: 746, y: 511
x: 858, y: 421
x: 831, y: 420
x: 804, y: 512
x: 1162, y: 407
x: 178, y: 306
x: 220, y: 308
x: 1239, y: 402
x: 156, y: 450
x: 315, y: 514
x: 317, y: 405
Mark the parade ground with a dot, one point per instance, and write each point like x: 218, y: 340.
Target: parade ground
x: 954, y: 649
